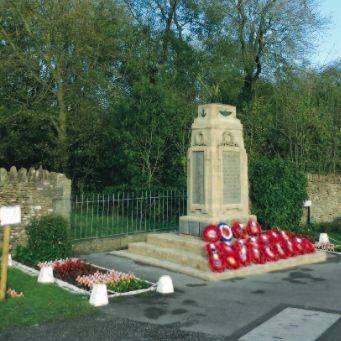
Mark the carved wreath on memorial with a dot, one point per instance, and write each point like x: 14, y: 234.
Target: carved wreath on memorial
x: 227, y: 140
x: 199, y: 139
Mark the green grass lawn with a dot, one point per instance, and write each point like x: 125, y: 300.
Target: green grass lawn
x: 42, y: 302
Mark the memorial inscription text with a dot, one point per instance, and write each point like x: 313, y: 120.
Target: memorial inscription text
x: 231, y: 178
x: 198, y: 192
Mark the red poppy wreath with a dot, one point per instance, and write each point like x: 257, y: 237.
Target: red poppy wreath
x: 211, y: 233
x: 239, y: 230
x: 257, y: 256
x: 284, y: 235
x: 242, y: 252
x: 228, y: 256
x: 266, y: 248
x: 280, y: 251
x: 297, y: 243
x: 226, y: 232
x: 253, y: 228
x: 274, y: 236
x: 308, y: 246
x: 289, y: 248
x: 269, y: 254
x: 214, y: 260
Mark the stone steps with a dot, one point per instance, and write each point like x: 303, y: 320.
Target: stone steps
x: 187, y: 255
x: 184, y: 243
x: 180, y: 257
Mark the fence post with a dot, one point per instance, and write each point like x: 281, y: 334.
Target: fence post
x: 4, y: 262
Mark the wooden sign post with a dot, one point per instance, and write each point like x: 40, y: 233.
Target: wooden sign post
x: 4, y: 263
x: 8, y: 215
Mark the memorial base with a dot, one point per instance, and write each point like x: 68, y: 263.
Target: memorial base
x: 194, y: 225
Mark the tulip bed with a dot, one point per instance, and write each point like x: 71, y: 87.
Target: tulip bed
x: 84, y: 276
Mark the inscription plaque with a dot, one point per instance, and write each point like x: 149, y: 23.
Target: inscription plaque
x: 198, y: 176
x: 231, y: 178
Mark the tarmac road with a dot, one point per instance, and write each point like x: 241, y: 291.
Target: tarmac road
x: 199, y: 310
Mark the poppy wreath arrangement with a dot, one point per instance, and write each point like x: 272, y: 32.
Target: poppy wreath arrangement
x: 239, y: 230
x: 297, y: 243
x: 211, y: 233
x: 228, y: 255
x: 257, y: 256
x: 274, y: 236
x: 226, y: 232
x: 242, y: 252
x: 214, y: 258
x: 270, y: 245
x: 267, y: 248
x: 253, y: 228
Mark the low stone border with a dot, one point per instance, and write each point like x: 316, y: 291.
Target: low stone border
x: 74, y: 290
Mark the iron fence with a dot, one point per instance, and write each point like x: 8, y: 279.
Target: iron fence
x: 126, y: 213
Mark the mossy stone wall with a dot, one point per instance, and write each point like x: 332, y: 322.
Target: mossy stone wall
x: 38, y: 192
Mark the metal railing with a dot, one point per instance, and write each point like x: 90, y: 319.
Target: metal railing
x: 126, y: 213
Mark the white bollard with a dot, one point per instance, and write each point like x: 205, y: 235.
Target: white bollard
x: 46, y: 275
x: 324, y: 238
x: 99, y: 295
x: 9, y: 261
x: 165, y: 285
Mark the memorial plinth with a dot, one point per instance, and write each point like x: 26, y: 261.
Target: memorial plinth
x: 217, y: 175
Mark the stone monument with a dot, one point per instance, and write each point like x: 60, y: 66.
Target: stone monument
x: 217, y: 175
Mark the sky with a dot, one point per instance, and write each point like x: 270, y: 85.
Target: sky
x: 330, y: 49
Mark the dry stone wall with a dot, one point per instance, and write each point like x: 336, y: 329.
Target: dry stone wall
x: 38, y: 192
x: 325, y: 193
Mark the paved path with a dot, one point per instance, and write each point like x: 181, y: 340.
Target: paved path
x: 299, y: 304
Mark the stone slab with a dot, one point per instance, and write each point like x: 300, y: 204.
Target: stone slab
x: 316, y: 257
x: 293, y: 324
x: 185, y: 258
x: 194, y: 225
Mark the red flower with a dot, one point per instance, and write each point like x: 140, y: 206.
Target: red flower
x: 253, y: 228
x: 239, y: 230
x: 211, y: 233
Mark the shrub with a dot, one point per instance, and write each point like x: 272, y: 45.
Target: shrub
x: 49, y: 238
x: 278, y: 190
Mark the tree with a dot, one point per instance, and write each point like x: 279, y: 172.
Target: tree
x: 56, y: 53
x: 268, y: 33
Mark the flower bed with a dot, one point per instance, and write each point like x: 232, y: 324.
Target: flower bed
x: 79, y: 277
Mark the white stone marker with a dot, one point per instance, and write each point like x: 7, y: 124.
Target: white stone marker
x: 217, y: 175
x: 9, y: 261
x: 46, y: 275
x: 165, y: 285
x: 324, y: 238
x: 99, y: 295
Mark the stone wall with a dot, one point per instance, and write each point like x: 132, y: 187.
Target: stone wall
x: 325, y: 193
x: 38, y: 192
